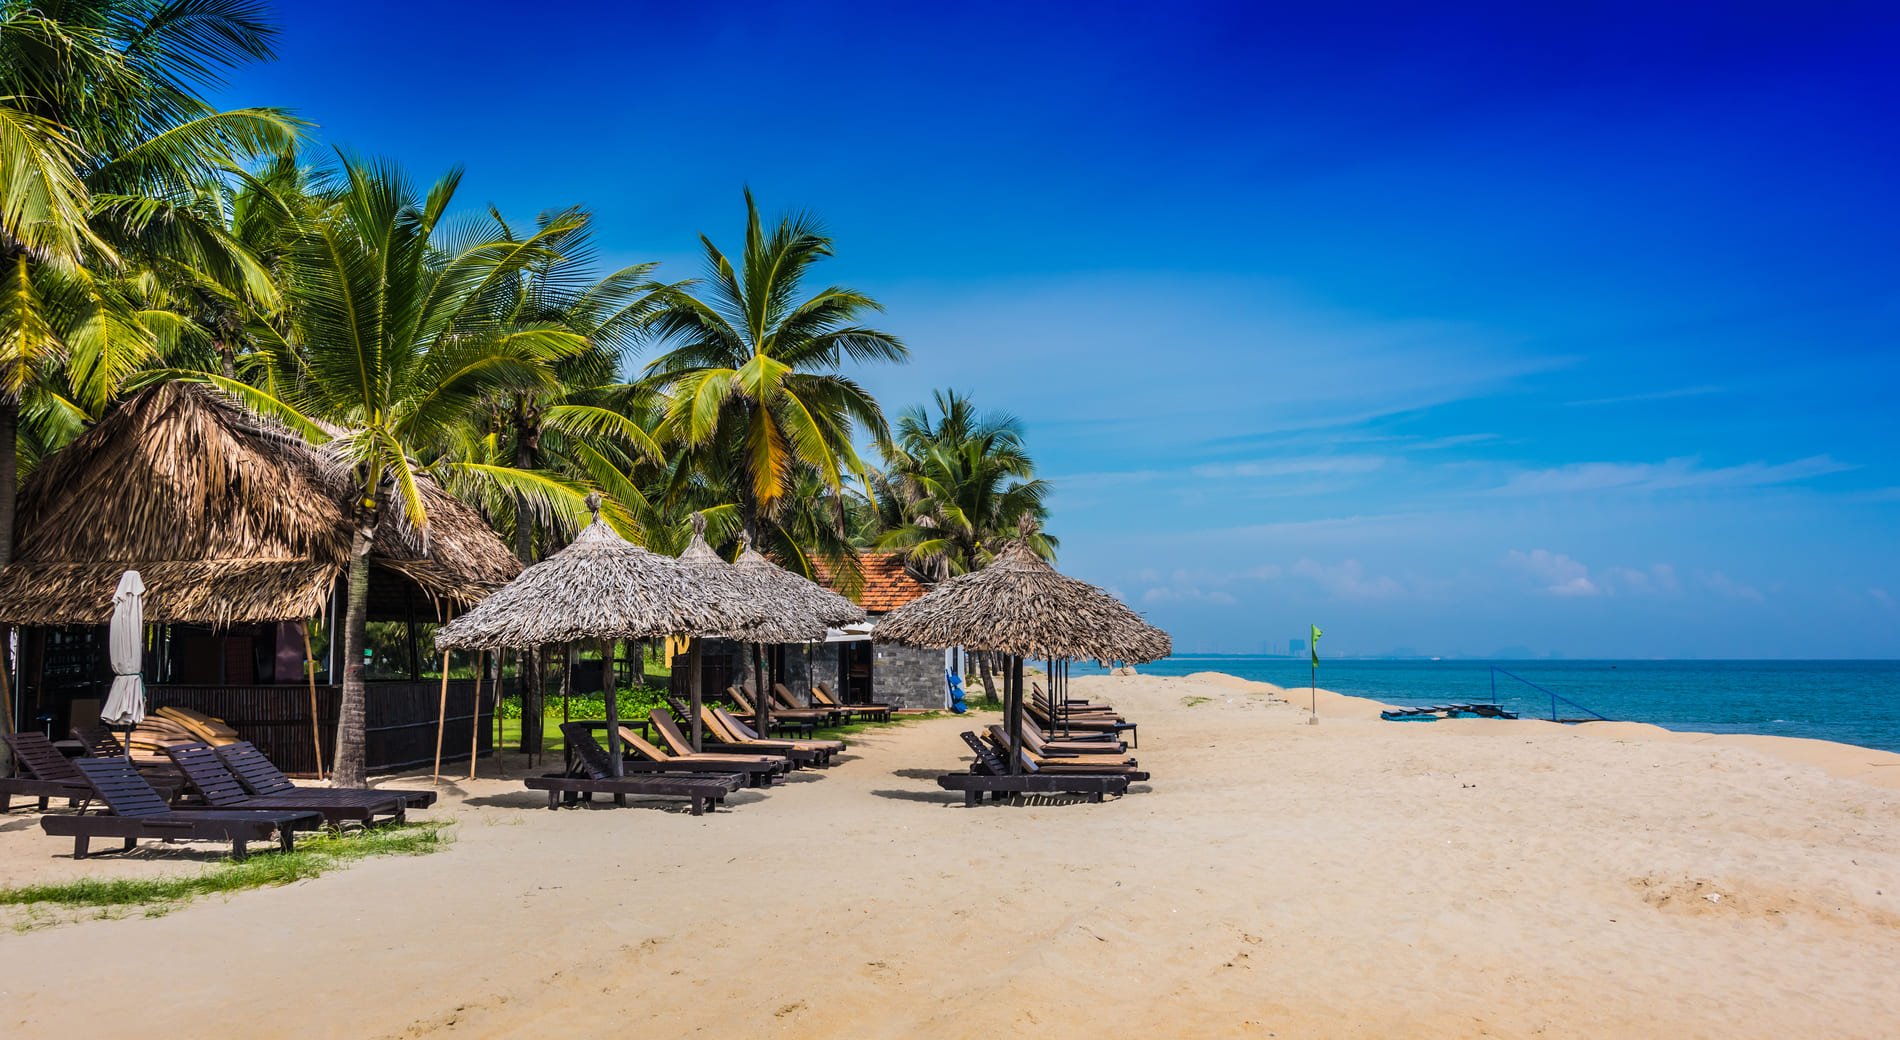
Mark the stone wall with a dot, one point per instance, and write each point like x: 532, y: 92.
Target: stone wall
x: 907, y: 677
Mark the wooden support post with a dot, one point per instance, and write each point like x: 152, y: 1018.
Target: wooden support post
x: 441, y: 716
x: 692, y: 686
x: 612, y: 697
x: 310, y: 671
x: 475, y: 710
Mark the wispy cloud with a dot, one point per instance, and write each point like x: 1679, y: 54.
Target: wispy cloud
x: 1348, y: 580
x: 1670, y: 475
x: 1728, y: 588
x: 1290, y: 467
x: 1652, y: 395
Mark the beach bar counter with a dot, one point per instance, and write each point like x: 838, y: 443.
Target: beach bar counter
x: 241, y: 532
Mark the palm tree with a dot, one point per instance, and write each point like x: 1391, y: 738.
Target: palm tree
x: 754, y: 396
x: 103, y: 141
x: 961, y: 484
x: 391, y: 340
x: 955, y: 490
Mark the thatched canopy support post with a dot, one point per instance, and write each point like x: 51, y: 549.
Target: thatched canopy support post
x: 612, y: 696
x: 1014, y: 692
x: 441, y: 716
x: 693, y: 691
x: 310, y: 673
x: 763, y: 720
x: 475, y: 711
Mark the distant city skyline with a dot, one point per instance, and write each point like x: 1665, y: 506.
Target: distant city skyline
x: 1464, y: 327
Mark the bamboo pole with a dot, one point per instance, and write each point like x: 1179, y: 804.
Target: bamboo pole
x: 475, y: 719
x: 441, y: 716
x: 310, y: 671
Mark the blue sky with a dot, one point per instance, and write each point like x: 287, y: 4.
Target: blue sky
x: 1453, y: 329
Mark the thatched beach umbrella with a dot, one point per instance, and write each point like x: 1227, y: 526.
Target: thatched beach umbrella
x: 813, y: 601
x: 599, y: 587
x: 777, y: 617
x: 1021, y: 606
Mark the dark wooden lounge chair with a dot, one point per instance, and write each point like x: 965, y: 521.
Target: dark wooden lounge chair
x: 675, y: 738
x: 782, y: 710
x: 1052, y: 763
x: 260, y: 775
x: 208, y: 775
x: 990, y: 775
x: 759, y: 770
x: 721, y: 721
x: 138, y: 812
x: 594, y: 775
x: 49, y: 774
x: 872, y: 712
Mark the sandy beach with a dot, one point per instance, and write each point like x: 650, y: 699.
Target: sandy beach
x: 1354, y: 878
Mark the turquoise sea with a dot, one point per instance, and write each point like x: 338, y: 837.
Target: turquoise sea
x: 1853, y: 702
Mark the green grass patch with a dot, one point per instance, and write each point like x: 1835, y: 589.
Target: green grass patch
x: 313, y: 855
x: 1193, y: 701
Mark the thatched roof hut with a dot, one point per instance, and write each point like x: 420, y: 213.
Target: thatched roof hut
x: 599, y: 587
x: 781, y: 617
x: 813, y: 599
x: 228, y: 516
x: 1021, y: 606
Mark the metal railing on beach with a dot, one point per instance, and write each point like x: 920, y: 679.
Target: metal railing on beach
x: 1554, y: 696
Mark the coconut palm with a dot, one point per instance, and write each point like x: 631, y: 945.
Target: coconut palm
x: 391, y: 340
x: 103, y: 140
x: 954, y: 491
x: 752, y: 382
x: 962, y: 482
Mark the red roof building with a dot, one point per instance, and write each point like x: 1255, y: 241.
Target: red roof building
x: 887, y: 584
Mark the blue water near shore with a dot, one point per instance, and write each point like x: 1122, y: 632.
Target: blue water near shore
x: 1852, y: 702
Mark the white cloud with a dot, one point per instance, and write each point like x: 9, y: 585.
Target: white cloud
x: 1348, y: 580
x: 1557, y: 574
x: 1652, y: 395
x: 1670, y: 475
x: 1165, y: 594
x: 1659, y: 580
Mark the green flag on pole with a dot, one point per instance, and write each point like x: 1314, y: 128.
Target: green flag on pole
x: 1315, y: 645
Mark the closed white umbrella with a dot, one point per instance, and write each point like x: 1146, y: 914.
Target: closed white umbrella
x: 125, y: 706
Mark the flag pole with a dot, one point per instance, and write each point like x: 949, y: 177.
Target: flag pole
x: 1312, y: 693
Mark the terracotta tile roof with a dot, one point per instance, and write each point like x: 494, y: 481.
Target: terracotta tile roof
x: 887, y: 585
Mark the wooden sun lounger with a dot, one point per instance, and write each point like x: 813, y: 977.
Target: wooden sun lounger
x: 703, y: 790
x: 46, y: 775
x: 675, y: 738
x: 138, y: 812
x: 788, y: 704
x: 1090, y: 744
x: 873, y: 712
x: 209, y: 776
x: 804, y: 719
x: 989, y: 775
x: 1111, y: 764
x: 733, y: 729
x: 759, y: 770
x: 1048, y: 751
x: 260, y: 775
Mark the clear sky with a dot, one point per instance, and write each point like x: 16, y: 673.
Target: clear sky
x: 1453, y: 328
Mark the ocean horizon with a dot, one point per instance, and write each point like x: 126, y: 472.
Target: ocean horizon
x: 1845, y: 701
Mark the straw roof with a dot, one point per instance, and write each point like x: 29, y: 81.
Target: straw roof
x: 779, y: 617
x: 599, y: 587
x: 228, y: 516
x: 808, y: 597
x: 1020, y: 605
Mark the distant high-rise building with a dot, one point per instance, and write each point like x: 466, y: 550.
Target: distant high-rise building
x: 1295, y: 647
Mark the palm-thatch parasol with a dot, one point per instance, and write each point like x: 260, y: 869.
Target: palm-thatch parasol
x: 599, y: 587
x: 1021, y: 606
x: 778, y: 618
x: 810, y: 599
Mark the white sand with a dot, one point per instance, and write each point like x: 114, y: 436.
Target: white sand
x: 1355, y: 878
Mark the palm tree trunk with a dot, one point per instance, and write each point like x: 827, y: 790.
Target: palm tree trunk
x: 989, y: 681
x: 347, y: 770
x: 9, y: 473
